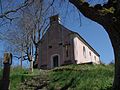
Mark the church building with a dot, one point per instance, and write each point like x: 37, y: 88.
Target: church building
x: 61, y: 46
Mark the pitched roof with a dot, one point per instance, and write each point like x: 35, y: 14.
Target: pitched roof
x: 83, y: 40
x: 79, y: 37
x: 86, y: 43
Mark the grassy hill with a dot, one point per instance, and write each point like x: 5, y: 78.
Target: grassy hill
x: 82, y: 77
x: 71, y: 77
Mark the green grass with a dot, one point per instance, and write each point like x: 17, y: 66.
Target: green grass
x: 71, y: 77
x: 82, y: 77
x: 19, y: 75
x: 0, y: 72
x: 16, y: 77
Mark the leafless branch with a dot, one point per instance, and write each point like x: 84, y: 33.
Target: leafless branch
x: 26, y: 3
x: 49, y: 6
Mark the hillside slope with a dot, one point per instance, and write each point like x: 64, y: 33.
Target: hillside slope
x: 82, y: 77
x: 72, y: 77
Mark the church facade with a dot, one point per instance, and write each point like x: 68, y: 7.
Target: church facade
x: 61, y: 46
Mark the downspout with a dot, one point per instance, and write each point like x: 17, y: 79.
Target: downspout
x: 40, y: 54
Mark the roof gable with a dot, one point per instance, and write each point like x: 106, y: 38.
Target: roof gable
x: 58, y: 26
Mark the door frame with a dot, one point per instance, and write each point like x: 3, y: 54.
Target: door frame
x: 52, y: 60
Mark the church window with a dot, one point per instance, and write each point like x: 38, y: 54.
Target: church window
x: 84, y: 52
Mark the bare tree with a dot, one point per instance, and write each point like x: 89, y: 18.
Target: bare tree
x: 7, y: 7
x: 35, y: 20
x: 18, y: 43
x: 31, y: 26
x: 9, y: 11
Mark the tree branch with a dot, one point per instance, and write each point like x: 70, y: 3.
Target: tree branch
x: 26, y: 3
x: 95, y: 13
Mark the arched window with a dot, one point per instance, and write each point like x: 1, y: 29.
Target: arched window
x: 95, y: 58
x: 84, y: 52
x: 66, y: 47
x: 90, y: 53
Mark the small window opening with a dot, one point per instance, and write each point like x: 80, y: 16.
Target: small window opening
x: 60, y: 43
x: 50, y: 46
x: 90, y: 53
x: 66, y: 47
x: 95, y: 57
x: 84, y: 52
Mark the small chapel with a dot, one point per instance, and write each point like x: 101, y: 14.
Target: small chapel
x: 61, y: 46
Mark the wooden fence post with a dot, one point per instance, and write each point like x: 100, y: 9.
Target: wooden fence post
x: 6, y: 71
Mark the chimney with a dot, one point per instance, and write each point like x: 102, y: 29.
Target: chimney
x: 54, y: 19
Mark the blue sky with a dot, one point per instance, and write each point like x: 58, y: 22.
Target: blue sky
x: 96, y: 36
x: 92, y: 32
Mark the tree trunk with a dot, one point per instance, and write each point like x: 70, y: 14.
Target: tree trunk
x: 36, y: 52
x: 111, y: 23
x: 113, y: 32
x: 35, y: 62
x: 21, y: 59
x: 30, y: 58
x: 116, y: 83
x: 31, y: 66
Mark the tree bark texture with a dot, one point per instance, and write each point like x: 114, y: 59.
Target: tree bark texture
x: 111, y: 22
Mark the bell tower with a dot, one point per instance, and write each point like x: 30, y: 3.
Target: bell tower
x: 54, y: 19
